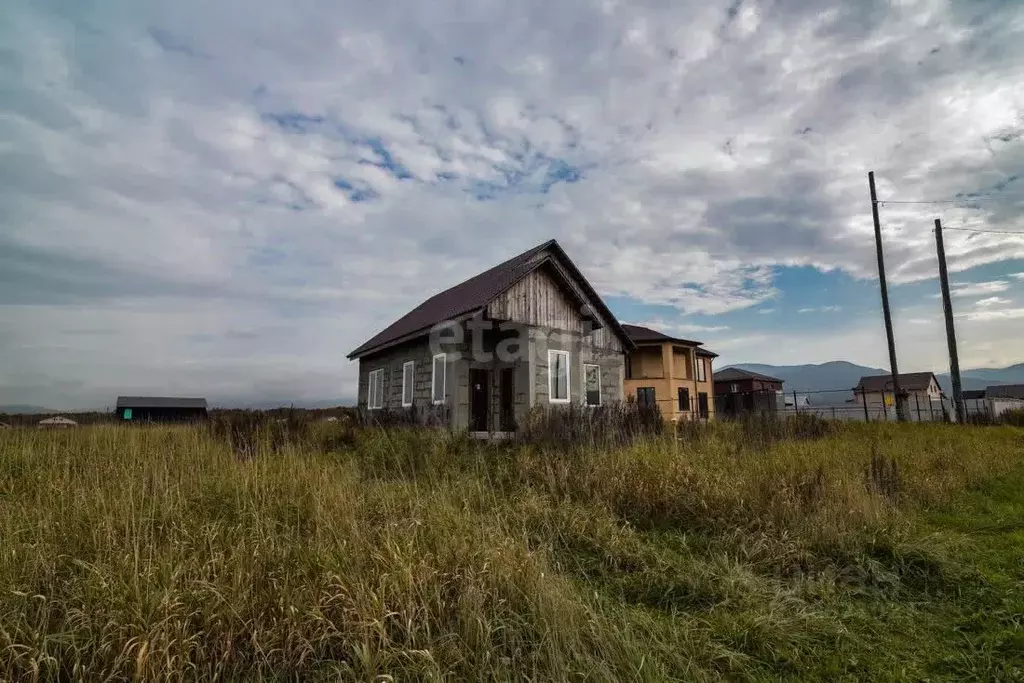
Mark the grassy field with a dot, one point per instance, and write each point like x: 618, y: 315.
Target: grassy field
x: 881, y: 551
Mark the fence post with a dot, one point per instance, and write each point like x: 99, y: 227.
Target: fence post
x: 931, y: 410
x: 917, y: 402
x: 864, y: 399
x: 833, y: 412
x: 885, y: 411
x: 796, y: 406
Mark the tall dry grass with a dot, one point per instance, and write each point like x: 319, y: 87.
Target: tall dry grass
x: 161, y: 552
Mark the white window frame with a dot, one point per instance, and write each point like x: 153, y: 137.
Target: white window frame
x: 586, y: 392
x: 375, y: 398
x: 411, y: 386
x: 444, y: 378
x: 551, y: 376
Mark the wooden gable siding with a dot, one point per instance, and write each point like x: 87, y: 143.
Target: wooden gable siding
x: 539, y: 300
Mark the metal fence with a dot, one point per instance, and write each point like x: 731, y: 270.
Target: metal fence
x: 833, y: 404
x: 987, y: 410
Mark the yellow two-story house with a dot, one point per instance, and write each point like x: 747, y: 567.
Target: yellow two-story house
x: 674, y: 374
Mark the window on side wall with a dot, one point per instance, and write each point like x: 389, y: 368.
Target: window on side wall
x: 375, y: 397
x: 558, y: 376
x: 592, y: 384
x: 645, y: 396
x: 701, y: 375
x: 684, y: 399
x: 408, y: 378
x: 438, y: 379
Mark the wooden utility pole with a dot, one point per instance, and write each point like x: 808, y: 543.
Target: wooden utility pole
x: 947, y: 309
x: 885, y: 302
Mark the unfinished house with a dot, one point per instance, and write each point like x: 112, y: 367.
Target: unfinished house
x: 671, y: 373
x: 530, y: 331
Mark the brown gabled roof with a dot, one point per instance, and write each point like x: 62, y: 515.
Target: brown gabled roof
x: 911, y: 381
x: 640, y: 334
x: 737, y: 374
x: 474, y: 294
x: 644, y: 335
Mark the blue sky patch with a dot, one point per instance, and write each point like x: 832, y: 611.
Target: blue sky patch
x: 295, y: 122
x: 171, y: 43
x: 532, y: 174
x: 385, y: 160
x: 361, y: 193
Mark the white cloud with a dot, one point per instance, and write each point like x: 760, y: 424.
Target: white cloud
x: 987, y: 314
x: 287, y: 166
x: 820, y: 309
x: 992, y: 301
x: 969, y: 289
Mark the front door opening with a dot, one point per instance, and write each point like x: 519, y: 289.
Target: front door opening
x: 479, y: 400
x: 508, y: 410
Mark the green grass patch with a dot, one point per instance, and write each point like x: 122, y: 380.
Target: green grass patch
x: 883, y: 552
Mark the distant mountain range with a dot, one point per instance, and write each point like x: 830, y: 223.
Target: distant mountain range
x: 25, y: 410
x: 835, y: 375
x: 249, y: 405
x: 305, y: 404
x: 844, y: 375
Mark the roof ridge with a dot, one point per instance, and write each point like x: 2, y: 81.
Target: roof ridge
x: 657, y: 335
x: 475, y: 292
x: 504, y: 263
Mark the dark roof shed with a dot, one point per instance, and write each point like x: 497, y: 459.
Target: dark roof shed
x: 160, y: 402
x: 739, y: 374
x: 1005, y: 391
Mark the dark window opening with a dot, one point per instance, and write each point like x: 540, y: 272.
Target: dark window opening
x: 592, y: 384
x: 645, y: 396
x: 684, y: 399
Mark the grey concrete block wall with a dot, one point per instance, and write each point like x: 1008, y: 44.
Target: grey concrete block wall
x: 461, y: 393
x: 613, y: 372
x: 611, y: 363
x: 391, y: 361
x: 530, y: 378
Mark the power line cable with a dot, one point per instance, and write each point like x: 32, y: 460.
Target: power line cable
x: 994, y: 232
x: 923, y: 201
x: 965, y: 200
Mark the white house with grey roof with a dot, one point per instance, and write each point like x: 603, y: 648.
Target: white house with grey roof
x: 922, y: 395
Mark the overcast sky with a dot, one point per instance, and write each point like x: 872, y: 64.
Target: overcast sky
x: 225, y: 198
